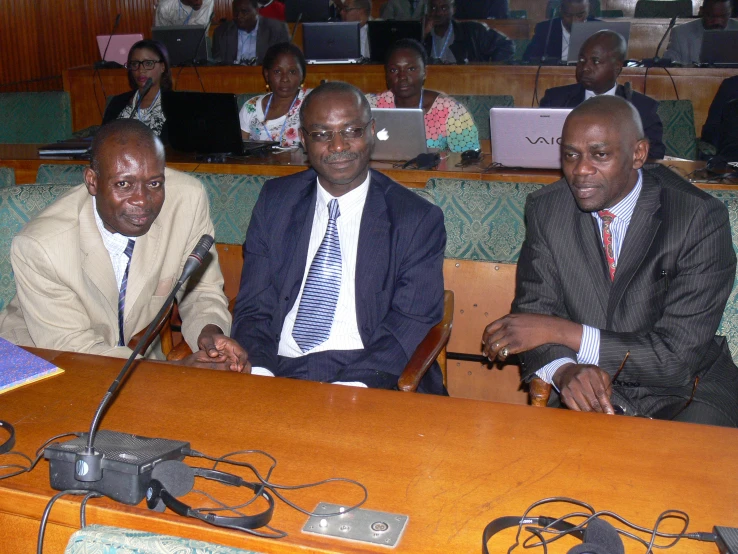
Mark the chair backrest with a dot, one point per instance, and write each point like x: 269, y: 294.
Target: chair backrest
x: 17, y: 206
x: 479, y: 106
x: 680, y: 137
x: 612, y: 13
x: 60, y: 174
x: 663, y: 8
x: 553, y: 8
x: 518, y: 14
x: 35, y: 117
x: 520, y: 45
x: 7, y: 177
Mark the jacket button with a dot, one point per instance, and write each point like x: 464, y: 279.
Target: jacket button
x: 286, y: 298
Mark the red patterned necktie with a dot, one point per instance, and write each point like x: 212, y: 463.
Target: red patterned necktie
x: 607, y: 218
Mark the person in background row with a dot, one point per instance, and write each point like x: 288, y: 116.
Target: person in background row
x: 448, y: 124
x: 273, y: 9
x: 358, y: 11
x: 551, y: 38
x: 685, y: 42
x: 183, y: 12
x: 404, y: 9
x: 450, y: 41
x: 482, y: 9
x: 246, y: 39
x: 600, y: 62
x: 147, y: 59
x: 276, y: 115
x: 727, y: 92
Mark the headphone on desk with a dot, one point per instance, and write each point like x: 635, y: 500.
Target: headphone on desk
x: 9, y: 443
x: 171, y: 479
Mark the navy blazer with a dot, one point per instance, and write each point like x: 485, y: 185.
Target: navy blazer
x: 399, y: 281
x: 570, y: 96
x: 728, y: 91
x: 538, y: 42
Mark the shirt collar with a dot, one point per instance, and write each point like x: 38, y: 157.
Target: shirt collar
x: 564, y: 32
x: 624, y: 209
x: 349, y: 203
x: 115, y: 243
x: 253, y: 31
x: 590, y: 94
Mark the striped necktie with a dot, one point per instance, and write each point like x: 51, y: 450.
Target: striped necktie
x: 122, y: 294
x: 607, y: 219
x: 320, y: 294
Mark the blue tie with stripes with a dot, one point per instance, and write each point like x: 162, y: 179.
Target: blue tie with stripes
x: 122, y: 294
x: 320, y: 294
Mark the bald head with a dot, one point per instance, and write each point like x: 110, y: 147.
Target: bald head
x: 615, y: 111
x: 612, y: 42
x: 119, y: 133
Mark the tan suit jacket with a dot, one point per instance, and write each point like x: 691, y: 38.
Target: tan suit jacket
x: 67, y: 296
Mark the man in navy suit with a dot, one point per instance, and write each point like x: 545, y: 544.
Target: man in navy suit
x: 551, y: 38
x: 343, y: 267
x: 601, y: 60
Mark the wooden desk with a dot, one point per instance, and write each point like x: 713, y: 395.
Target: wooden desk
x: 88, y: 88
x: 451, y: 464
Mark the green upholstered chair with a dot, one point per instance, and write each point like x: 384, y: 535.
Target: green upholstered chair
x: 60, y: 174
x: 479, y: 106
x: 7, y: 177
x: 101, y: 539
x: 17, y: 206
x: 553, y: 6
x: 518, y: 14
x: 663, y: 8
x: 35, y: 117
x: 612, y: 13
x: 520, y: 45
x: 677, y: 117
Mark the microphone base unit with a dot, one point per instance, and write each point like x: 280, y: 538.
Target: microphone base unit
x: 127, y: 462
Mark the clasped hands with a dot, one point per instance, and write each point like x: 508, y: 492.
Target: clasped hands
x: 582, y: 387
x: 216, y: 351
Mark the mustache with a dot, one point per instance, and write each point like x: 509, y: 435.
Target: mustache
x: 340, y: 157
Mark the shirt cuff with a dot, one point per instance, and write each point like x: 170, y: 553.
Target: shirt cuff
x: 351, y: 384
x: 546, y: 373
x: 589, y: 349
x: 264, y: 372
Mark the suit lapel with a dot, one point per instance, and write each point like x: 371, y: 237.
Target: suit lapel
x: 576, y: 98
x: 296, y: 241
x: 594, y: 256
x: 96, y: 264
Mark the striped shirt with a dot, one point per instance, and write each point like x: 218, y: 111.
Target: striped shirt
x: 115, y: 244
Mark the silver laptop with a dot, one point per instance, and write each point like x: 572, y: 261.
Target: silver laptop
x: 333, y: 42
x: 527, y: 137
x: 581, y: 31
x: 400, y: 133
x: 119, y: 47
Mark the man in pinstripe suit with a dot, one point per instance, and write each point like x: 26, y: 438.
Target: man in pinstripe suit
x: 620, y: 258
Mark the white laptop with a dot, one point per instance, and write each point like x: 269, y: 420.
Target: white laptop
x: 400, y: 133
x: 582, y: 30
x: 332, y: 42
x: 527, y: 137
x: 119, y: 46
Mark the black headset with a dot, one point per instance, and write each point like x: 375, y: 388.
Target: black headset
x: 172, y: 478
x: 502, y: 523
x: 9, y: 443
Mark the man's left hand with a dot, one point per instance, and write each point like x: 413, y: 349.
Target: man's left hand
x: 220, y: 349
x: 522, y: 332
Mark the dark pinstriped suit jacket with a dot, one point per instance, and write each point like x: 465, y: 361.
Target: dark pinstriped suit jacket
x: 674, y: 275
x: 399, y: 281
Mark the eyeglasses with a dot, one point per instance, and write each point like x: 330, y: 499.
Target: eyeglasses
x: 348, y: 133
x: 147, y: 64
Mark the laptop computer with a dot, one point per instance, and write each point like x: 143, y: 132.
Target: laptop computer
x: 207, y: 123
x: 400, y: 133
x: 310, y: 10
x: 719, y: 48
x: 186, y: 44
x: 119, y: 47
x: 334, y: 42
x: 383, y: 34
x: 581, y: 31
x: 527, y: 137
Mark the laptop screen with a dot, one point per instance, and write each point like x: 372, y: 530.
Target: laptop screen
x: 331, y: 41
x: 581, y: 31
x: 185, y: 43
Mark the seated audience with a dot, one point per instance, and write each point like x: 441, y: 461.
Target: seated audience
x: 183, y: 12
x: 727, y: 92
x: 404, y: 9
x: 448, y: 124
x: 273, y: 9
x: 93, y: 269
x: 246, y: 39
x: 276, y: 115
x: 482, y: 9
x: 685, y: 42
x: 147, y: 59
x: 358, y: 11
x: 450, y: 41
x: 601, y: 60
x: 551, y: 38
x: 343, y: 267
x: 627, y: 267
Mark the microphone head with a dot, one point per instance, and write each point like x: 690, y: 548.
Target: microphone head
x: 147, y: 86
x: 117, y: 20
x: 203, y: 247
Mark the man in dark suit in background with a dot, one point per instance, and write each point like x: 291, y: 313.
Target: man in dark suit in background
x: 343, y: 267
x: 601, y: 60
x: 622, y: 259
x: 727, y: 92
x: 551, y: 38
x: 246, y: 39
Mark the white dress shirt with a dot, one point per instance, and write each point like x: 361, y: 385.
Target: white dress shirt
x: 565, y: 38
x: 590, y: 94
x: 115, y: 244
x: 173, y: 12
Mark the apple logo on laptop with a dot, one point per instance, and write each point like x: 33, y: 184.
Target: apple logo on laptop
x: 383, y: 134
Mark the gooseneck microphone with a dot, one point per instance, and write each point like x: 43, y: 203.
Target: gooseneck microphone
x: 102, y: 64
x: 294, y: 29
x: 656, y: 61
x: 544, y: 56
x: 88, y: 463
x: 146, y: 88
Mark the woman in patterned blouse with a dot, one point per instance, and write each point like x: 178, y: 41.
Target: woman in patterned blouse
x: 448, y: 124
x: 276, y: 115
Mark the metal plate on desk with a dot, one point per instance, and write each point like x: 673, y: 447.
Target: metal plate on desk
x: 370, y: 526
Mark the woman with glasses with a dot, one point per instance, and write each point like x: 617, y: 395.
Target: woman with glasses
x: 147, y: 59
x: 276, y: 115
x: 448, y: 124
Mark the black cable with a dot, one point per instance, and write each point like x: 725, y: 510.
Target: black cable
x: 45, y: 517
x: 535, y: 88
x: 31, y: 462
x: 83, y: 508
x: 673, y: 83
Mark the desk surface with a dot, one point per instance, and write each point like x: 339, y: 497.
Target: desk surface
x: 451, y: 464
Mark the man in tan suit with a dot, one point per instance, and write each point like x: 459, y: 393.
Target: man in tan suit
x: 94, y: 268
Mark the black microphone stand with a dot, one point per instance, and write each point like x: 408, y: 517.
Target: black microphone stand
x: 102, y: 64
